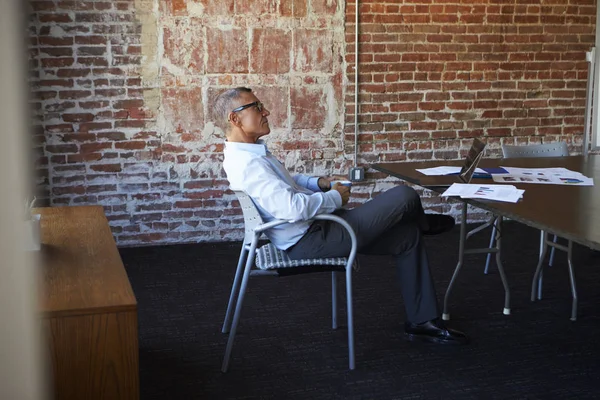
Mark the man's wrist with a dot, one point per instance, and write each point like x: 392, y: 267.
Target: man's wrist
x: 324, y: 184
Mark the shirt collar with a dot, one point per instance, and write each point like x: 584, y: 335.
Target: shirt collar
x: 259, y: 147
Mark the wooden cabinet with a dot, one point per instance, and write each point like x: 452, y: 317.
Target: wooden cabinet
x: 88, y: 309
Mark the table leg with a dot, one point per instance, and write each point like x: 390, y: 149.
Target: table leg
x: 488, y: 250
x: 498, y: 225
x: 461, y: 255
x: 538, y: 269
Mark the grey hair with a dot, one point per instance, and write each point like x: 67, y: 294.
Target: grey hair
x: 224, y: 104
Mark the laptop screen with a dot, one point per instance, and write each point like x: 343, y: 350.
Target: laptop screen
x: 473, y: 157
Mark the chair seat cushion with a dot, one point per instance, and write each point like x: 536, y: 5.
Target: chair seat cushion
x: 269, y: 257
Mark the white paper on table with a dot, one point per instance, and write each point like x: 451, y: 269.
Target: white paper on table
x: 439, y: 171
x: 544, y: 180
x: 442, y: 170
x: 544, y: 172
x: 547, y: 176
x: 507, y: 193
x: 508, y: 196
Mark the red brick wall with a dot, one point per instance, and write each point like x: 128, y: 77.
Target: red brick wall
x: 122, y: 91
x: 435, y: 73
x: 96, y: 139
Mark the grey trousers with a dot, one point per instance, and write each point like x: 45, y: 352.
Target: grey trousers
x: 389, y: 224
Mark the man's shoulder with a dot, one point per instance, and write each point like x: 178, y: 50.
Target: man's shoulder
x: 238, y: 164
x: 241, y: 157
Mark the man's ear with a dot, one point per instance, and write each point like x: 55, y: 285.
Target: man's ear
x: 235, y: 119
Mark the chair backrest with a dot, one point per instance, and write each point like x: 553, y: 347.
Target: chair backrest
x: 251, y: 216
x: 558, y: 149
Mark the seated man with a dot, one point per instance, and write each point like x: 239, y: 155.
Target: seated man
x: 391, y: 223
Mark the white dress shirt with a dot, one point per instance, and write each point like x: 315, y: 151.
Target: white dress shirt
x: 252, y: 168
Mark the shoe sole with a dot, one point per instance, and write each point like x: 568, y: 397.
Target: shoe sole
x: 429, y: 339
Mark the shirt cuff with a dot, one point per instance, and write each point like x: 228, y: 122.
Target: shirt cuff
x: 313, y: 184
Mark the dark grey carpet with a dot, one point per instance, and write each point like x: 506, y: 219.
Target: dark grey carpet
x: 285, y: 348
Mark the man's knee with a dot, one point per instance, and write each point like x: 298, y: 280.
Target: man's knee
x: 405, y: 194
x: 398, y: 201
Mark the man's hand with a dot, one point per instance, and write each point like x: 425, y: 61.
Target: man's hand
x: 334, y: 178
x: 344, y: 191
x: 326, y: 182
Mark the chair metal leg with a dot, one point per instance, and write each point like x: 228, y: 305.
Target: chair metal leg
x: 334, y: 307
x: 234, y: 289
x: 238, y: 306
x: 506, y: 310
x: 488, y: 258
x: 349, y: 312
x: 572, y: 279
x: 461, y: 251
x: 539, y: 267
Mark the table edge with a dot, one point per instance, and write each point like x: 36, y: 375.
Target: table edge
x: 485, y: 206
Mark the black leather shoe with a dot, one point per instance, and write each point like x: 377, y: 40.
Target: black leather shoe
x: 438, y: 223
x: 435, y: 332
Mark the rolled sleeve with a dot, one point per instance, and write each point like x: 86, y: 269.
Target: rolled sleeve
x: 313, y: 184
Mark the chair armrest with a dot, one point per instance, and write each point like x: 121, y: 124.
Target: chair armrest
x: 263, y: 227
x: 276, y: 222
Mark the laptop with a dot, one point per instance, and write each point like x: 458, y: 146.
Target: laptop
x: 467, y: 170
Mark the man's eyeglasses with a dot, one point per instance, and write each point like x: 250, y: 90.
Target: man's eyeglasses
x: 259, y: 107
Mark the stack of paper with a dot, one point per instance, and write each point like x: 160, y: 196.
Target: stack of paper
x: 507, y: 193
x: 552, y: 176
